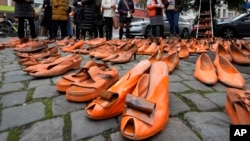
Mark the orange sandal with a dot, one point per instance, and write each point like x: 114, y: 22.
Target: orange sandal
x: 147, y: 109
x: 89, y: 88
x: 67, y: 80
x: 103, y: 107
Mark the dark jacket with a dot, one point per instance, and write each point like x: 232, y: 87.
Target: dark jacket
x: 78, y: 11
x: 86, y: 20
x: 122, y: 8
x: 178, y: 4
x: 24, y: 9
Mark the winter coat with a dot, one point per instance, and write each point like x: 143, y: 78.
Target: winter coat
x: 60, y: 10
x: 87, y: 16
x: 107, y: 10
x: 78, y: 11
x: 24, y: 9
x: 47, y: 20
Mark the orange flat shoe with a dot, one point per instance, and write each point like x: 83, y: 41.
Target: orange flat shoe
x: 238, y: 56
x: 172, y: 60
x: 110, y: 103
x: 227, y: 73
x: 205, y: 70
x: 156, y: 56
x: 183, y: 52
x: 67, y: 80
x: 57, y: 67
x: 223, y: 52
x: 88, y: 89
x: 147, y: 109
x: 237, y: 106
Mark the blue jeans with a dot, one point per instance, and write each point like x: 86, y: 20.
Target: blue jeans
x: 173, y: 19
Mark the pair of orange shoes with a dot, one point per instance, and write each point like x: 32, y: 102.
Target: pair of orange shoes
x: 88, y: 82
x: 221, y: 69
x: 141, y: 96
x: 58, y: 67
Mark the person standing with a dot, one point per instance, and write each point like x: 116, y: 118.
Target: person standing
x: 78, y: 13
x: 125, y: 9
x: 173, y: 9
x: 24, y: 10
x: 60, y: 17
x: 155, y: 10
x: 86, y: 23
x: 99, y: 22
x: 47, y: 19
x: 109, y: 7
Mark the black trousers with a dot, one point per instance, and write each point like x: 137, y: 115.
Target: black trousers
x: 109, y: 27
x: 161, y: 29
x: 21, y: 27
x: 63, y: 27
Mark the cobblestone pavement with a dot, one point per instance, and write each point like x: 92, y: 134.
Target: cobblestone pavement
x: 32, y: 110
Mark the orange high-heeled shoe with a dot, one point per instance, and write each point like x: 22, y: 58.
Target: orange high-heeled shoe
x: 125, y: 56
x: 147, y: 110
x: 76, y: 45
x: 110, y: 103
x: 237, y: 56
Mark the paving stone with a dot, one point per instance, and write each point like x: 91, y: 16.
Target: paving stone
x: 1, y: 79
x: 14, y: 98
x: 17, y: 72
x: 17, y: 78
x: 201, y: 102
x: 10, y: 67
x: 4, y: 136
x: 176, y: 105
x: 183, y: 75
x: 61, y: 106
x: 48, y: 130
x: 45, y: 91
x: 177, y: 87
x: 196, y: 85
x: 219, y: 98
x: 219, y: 87
x: 20, y: 115
x: 39, y: 82
x: 10, y: 87
x: 56, y: 78
x: 97, y: 138
x: 212, y: 126
x: 117, y: 136
x: 174, y: 78
x: 175, y: 130
x: 83, y: 127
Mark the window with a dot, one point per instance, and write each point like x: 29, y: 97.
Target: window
x: 224, y: 12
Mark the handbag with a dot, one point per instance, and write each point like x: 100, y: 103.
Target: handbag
x: 115, y: 22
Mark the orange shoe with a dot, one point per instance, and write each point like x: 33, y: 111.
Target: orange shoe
x: 57, y: 67
x: 227, y: 73
x: 205, y: 70
x: 172, y: 61
x: 104, y: 107
x: 67, y: 80
x: 147, y: 109
x: 88, y: 89
x: 237, y: 106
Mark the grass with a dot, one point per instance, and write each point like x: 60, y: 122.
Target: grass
x: 67, y: 128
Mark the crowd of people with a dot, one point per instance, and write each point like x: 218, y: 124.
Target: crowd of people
x: 88, y: 18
